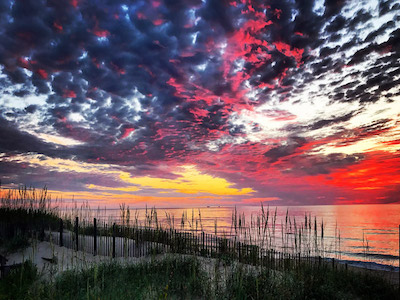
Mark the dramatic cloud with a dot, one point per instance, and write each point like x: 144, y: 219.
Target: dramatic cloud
x: 226, y: 101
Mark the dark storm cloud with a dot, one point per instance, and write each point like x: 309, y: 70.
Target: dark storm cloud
x: 134, y: 68
x: 337, y: 24
x: 387, y: 6
x: 325, y: 63
x: 216, y: 12
x: 13, y: 140
x: 17, y: 172
x: 333, y: 7
x: 370, y: 37
x: 361, y: 17
x: 307, y: 22
x: 281, y: 151
x: 324, y: 164
x: 326, y: 122
x: 326, y: 51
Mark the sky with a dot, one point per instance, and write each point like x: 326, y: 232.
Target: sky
x: 173, y: 103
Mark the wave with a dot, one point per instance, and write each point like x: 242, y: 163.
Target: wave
x: 381, y: 256
x: 369, y: 265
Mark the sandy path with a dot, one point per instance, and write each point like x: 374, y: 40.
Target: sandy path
x: 62, y: 258
x: 67, y: 258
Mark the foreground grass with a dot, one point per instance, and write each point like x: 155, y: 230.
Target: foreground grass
x: 168, y: 278
x: 307, y: 282
x: 180, y: 277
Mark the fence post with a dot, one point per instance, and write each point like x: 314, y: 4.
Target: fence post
x: 61, y: 233
x: 203, y: 243
x: 42, y: 235
x: 113, y: 240
x: 76, y: 233
x: 95, y: 236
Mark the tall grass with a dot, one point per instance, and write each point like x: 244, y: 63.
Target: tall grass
x: 25, y: 213
x: 264, y: 233
x: 178, y: 277
x: 24, y: 198
x: 286, y: 253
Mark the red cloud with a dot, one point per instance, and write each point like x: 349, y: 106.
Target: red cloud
x: 127, y: 132
x: 42, y: 73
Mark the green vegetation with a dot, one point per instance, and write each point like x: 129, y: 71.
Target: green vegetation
x: 306, y: 282
x: 172, y: 278
x: 18, y: 284
x: 14, y: 244
x: 180, y: 277
x: 24, y: 214
x: 27, y: 209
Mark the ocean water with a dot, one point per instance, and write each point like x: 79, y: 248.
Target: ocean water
x: 363, y: 234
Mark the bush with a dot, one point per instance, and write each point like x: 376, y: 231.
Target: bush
x: 18, y: 283
x: 16, y: 243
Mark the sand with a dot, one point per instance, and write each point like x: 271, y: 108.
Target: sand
x: 52, y: 259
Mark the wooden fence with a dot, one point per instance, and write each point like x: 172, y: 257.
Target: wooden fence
x: 130, y: 241
x: 99, y: 238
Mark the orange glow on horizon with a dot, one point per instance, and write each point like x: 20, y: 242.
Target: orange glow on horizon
x: 190, y: 181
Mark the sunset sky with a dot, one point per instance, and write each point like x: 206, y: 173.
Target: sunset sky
x: 202, y: 102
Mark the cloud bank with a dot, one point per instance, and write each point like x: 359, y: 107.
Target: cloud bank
x: 296, y: 102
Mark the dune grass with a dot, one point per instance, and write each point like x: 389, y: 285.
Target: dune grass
x: 172, y: 278
x: 19, y: 282
x: 291, y: 273
x: 24, y: 214
x: 184, y: 277
x: 306, y: 282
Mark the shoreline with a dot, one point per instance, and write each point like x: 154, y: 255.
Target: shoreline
x: 369, y: 265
